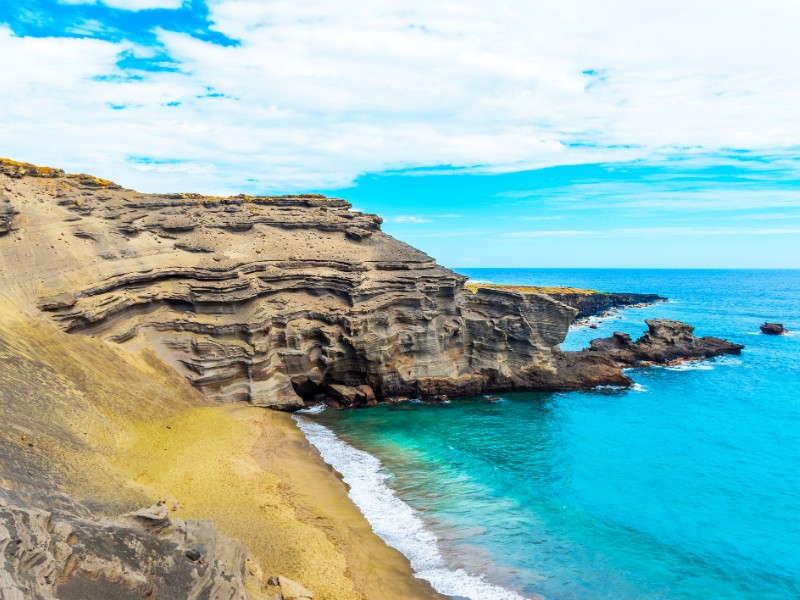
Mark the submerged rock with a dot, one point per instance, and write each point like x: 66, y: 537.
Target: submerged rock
x: 773, y: 329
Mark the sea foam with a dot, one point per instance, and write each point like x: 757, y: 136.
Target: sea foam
x: 397, y: 523
x: 706, y: 365
x: 312, y: 410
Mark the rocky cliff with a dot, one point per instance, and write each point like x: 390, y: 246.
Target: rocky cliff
x: 276, y: 301
x: 588, y: 303
x: 144, y: 554
x: 113, y: 302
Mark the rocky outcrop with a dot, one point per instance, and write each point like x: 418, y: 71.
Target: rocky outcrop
x: 588, y: 303
x: 138, y: 555
x: 773, y: 329
x: 275, y: 300
x: 282, y: 301
x: 7, y: 212
x: 600, y: 303
x: 665, y: 342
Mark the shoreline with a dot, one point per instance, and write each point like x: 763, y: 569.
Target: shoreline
x: 263, y: 483
x: 114, y: 431
x: 608, y: 315
x: 399, y: 525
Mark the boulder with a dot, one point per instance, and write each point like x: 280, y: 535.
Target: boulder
x: 7, y: 212
x: 773, y: 329
x: 351, y: 396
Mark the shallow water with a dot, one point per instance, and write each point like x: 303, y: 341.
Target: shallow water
x: 685, y: 487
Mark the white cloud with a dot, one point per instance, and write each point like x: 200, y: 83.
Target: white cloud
x: 551, y: 233
x: 132, y: 5
x: 638, y: 232
x: 408, y: 219
x: 321, y: 91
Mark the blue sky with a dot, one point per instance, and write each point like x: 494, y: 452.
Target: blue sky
x: 542, y: 134
x: 636, y: 215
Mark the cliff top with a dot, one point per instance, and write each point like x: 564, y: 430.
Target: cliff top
x: 18, y: 170
x: 531, y: 289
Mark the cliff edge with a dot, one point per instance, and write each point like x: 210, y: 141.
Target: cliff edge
x: 277, y: 301
x: 138, y: 334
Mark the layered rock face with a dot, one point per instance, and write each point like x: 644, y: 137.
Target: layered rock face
x: 588, y: 303
x: 273, y: 300
x: 138, y: 555
x: 282, y: 301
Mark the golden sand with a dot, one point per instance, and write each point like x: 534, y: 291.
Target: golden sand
x: 122, y: 430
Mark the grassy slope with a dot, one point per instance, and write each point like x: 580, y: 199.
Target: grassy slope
x: 531, y: 289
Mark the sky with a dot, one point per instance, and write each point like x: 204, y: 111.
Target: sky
x: 519, y: 133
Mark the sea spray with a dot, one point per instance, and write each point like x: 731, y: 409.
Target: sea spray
x: 397, y: 523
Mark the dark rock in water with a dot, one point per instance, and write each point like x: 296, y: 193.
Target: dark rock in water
x: 773, y: 329
x: 491, y: 399
x: 584, y: 370
x: 665, y: 342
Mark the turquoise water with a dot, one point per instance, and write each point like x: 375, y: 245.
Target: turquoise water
x: 687, y: 487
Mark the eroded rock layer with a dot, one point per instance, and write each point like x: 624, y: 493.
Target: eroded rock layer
x: 138, y: 555
x: 274, y: 300
x: 588, y: 303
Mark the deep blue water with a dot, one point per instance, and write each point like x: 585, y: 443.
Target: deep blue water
x: 687, y: 487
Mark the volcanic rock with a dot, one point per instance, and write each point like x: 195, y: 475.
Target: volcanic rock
x: 600, y: 303
x: 588, y: 303
x: 46, y: 555
x: 276, y: 300
x: 665, y: 342
x: 7, y: 212
x: 773, y: 329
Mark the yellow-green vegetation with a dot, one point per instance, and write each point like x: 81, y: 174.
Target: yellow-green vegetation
x: 16, y: 168
x: 121, y: 430
x: 19, y: 169
x: 83, y: 178
x: 530, y: 289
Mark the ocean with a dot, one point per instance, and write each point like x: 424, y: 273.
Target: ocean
x: 685, y: 487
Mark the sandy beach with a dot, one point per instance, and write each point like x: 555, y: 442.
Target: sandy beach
x: 119, y: 430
